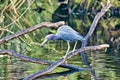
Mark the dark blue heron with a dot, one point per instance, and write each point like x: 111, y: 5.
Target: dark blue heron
x: 65, y: 33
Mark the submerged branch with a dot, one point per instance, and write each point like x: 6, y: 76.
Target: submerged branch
x: 53, y: 65
x: 34, y: 60
x: 25, y: 31
x: 60, y: 61
x: 26, y: 58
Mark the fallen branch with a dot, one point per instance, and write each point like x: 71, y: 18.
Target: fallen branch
x: 25, y: 31
x: 25, y: 58
x: 59, y: 62
x: 33, y: 60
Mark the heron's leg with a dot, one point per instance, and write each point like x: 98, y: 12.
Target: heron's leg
x: 67, y: 49
x: 75, y: 45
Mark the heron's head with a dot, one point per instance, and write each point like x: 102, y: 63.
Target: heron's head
x: 49, y: 37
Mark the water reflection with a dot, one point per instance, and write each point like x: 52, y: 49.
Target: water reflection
x: 106, y: 65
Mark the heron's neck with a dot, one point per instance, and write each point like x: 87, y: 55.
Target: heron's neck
x: 56, y: 37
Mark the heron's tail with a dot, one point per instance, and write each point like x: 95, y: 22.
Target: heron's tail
x: 81, y: 38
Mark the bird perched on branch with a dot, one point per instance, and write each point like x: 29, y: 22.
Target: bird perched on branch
x: 67, y: 34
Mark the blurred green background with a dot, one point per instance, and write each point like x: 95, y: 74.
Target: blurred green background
x: 16, y: 15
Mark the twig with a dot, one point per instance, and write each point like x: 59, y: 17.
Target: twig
x: 25, y: 31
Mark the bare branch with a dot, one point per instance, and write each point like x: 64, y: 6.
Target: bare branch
x: 90, y: 32
x: 96, y: 19
x: 25, y: 31
x: 34, y: 60
x: 59, y: 62
x: 25, y: 58
x: 92, y: 29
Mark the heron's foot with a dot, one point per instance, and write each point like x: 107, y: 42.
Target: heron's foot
x: 73, y: 50
x: 64, y: 56
x: 74, y: 46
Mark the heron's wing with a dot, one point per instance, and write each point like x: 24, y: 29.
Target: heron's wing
x: 66, y: 33
x: 69, y: 36
x: 68, y: 29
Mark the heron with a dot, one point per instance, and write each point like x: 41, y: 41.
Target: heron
x: 67, y: 34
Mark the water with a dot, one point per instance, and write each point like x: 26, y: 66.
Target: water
x: 106, y: 65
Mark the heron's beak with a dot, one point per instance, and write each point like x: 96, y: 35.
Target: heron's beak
x: 43, y: 42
